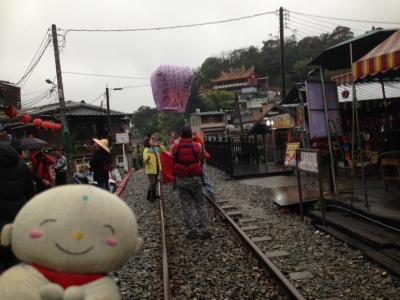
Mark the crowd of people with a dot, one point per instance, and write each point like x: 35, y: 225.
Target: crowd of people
x: 23, y: 175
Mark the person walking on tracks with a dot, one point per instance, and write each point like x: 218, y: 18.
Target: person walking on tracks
x: 188, y: 157
x: 60, y: 168
x: 152, y: 165
x: 101, y: 163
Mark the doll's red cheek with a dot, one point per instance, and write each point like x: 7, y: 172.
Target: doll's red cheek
x: 111, y: 242
x: 35, y: 233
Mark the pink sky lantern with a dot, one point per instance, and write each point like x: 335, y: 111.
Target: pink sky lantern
x: 171, y: 87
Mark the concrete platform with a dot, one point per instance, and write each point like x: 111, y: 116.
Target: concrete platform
x: 247, y: 170
x: 289, y: 195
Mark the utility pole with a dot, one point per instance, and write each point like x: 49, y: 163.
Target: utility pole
x: 108, y: 116
x: 238, y: 112
x: 282, y: 46
x: 65, y: 129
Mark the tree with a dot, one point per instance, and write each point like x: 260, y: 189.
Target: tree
x: 145, y: 120
x: 217, y: 100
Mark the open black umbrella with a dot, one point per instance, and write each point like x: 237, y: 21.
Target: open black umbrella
x: 31, y: 143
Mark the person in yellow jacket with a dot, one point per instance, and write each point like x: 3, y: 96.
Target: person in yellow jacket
x: 152, y: 165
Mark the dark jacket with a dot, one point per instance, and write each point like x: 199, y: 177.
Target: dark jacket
x: 100, y: 166
x: 16, y: 187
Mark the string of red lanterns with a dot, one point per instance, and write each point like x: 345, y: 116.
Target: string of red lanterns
x: 12, y: 112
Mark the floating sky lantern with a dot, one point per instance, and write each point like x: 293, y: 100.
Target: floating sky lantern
x: 37, y: 122
x: 171, y: 87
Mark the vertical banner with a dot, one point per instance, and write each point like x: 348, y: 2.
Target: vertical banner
x: 316, y: 115
x: 290, y: 155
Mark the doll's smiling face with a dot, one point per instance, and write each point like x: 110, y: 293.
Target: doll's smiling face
x: 75, y: 228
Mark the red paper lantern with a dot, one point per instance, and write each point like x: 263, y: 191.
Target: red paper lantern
x: 11, y: 112
x: 58, y: 126
x: 46, y: 125
x: 37, y: 122
x: 26, y: 118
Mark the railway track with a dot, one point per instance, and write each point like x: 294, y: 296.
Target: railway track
x: 229, y: 265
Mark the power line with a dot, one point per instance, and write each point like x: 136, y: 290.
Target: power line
x: 97, y: 98
x: 28, y: 74
x: 174, y: 26
x: 344, y: 19
x: 103, y: 75
x: 134, y: 86
x: 35, y: 59
x: 37, y: 92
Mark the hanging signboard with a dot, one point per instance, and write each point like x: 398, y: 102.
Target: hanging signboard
x: 316, y: 112
x: 290, y: 155
x: 10, y: 95
x: 300, y: 116
x: 308, y: 161
x: 122, y: 138
x: 282, y: 121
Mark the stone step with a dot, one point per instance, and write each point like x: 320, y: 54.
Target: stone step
x: 228, y: 206
x: 300, y: 275
x: 276, y: 253
x: 250, y: 227
x: 247, y: 220
x: 234, y: 213
x: 261, y: 239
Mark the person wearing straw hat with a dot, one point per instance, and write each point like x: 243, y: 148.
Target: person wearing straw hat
x: 101, y: 163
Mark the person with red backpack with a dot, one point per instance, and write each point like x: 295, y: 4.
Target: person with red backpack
x: 188, y: 157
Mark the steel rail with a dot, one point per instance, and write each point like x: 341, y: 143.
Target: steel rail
x: 166, y: 286
x: 291, y: 291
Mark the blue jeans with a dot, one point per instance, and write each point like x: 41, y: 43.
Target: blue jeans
x: 206, y: 181
x: 104, y: 185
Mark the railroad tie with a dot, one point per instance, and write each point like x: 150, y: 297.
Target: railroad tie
x: 276, y: 253
x: 228, y: 206
x: 261, y: 239
x: 234, y: 213
x: 250, y: 227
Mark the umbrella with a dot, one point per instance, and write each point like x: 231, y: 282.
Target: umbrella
x: 31, y: 143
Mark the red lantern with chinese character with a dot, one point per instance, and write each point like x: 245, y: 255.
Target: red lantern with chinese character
x: 11, y: 112
x: 37, y: 122
x: 26, y: 118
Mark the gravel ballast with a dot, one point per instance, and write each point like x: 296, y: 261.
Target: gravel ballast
x: 217, y: 268
x: 332, y: 269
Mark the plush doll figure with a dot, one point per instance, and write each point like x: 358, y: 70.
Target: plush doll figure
x: 68, y: 238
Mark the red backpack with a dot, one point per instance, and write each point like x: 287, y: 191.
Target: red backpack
x: 187, y: 162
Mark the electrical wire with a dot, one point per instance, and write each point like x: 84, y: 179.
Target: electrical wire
x: 104, y: 75
x: 319, y: 22
x: 344, y: 19
x: 97, y: 98
x: 134, y: 86
x: 174, y: 26
x: 34, y: 56
x: 33, y: 93
x: 27, y: 75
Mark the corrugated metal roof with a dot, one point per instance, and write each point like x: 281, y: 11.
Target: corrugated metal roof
x: 370, y: 91
x: 73, y: 109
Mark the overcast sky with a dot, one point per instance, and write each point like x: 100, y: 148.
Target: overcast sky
x: 23, y: 24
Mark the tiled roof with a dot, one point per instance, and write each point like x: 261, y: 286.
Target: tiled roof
x: 234, y: 74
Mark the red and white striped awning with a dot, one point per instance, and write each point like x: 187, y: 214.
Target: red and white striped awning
x: 383, y: 58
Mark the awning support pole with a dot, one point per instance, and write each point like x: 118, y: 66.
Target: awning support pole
x: 357, y: 125
x: 328, y: 130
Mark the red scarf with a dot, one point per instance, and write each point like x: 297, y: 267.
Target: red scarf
x: 67, y: 279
